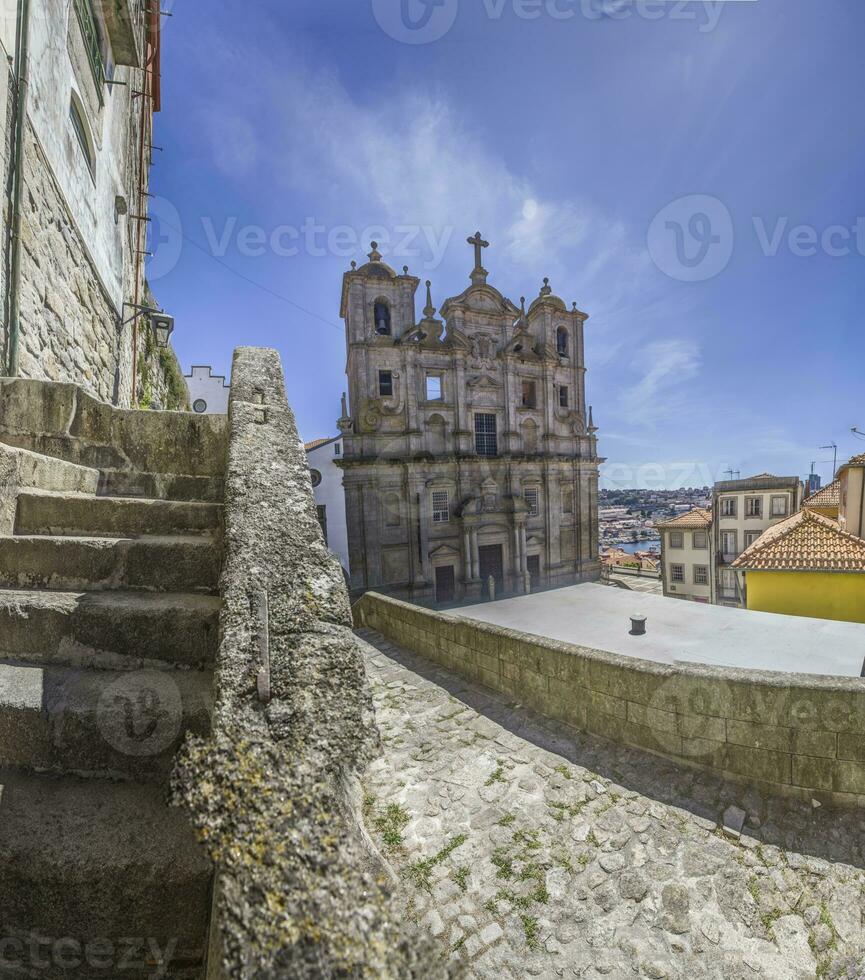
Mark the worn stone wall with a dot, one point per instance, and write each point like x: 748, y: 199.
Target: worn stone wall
x: 6, y: 95
x: 69, y: 326
x: 794, y: 734
x: 274, y: 793
x: 81, y: 216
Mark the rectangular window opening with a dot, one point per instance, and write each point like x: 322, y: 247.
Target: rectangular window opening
x: 486, y: 438
x: 385, y: 384
x: 441, y: 507
x: 433, y: 388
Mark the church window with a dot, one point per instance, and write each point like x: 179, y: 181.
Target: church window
x: 530, y: 398
x: 82, y: 133
x: 385, y: 384
x: 533, y: 499
x: 562, y: 342
x: 382, y: 319
x: 434, y: 388
x: 564, y: 396
x: 441, y: 507
x: 486, y: 439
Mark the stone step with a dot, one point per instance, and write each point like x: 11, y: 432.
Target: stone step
x: 79, y: 514
x: 113, y: 630
x: 161, y: 486
x: 68, y: 564
x: 99, y: 722
x: 87, y: 864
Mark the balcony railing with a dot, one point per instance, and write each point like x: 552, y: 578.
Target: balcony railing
x: 90, y: 33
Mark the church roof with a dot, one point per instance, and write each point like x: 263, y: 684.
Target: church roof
x: 318, y: 443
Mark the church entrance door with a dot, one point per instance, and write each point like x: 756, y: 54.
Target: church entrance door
x: 445, y: 584
x: 492, y: 562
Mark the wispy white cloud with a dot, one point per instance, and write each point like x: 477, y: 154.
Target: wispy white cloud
x: 662, y: 392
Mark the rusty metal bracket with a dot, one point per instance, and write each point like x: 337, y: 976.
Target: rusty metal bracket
x: 262, y: 615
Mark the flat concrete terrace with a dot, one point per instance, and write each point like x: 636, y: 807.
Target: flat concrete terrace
x: 598, y: 616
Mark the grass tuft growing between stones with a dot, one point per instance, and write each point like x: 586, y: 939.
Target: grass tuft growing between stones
x: 530, y: 927
x: 391, y: 824
x: 461, y: 876
x: 498, y: 775
x: 420, y: 872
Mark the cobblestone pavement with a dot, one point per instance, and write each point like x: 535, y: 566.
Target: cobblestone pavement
x: 651, y: 585
x: 531, y: 850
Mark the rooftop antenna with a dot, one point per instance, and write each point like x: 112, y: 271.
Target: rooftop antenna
x: 834, y: 446
x: 731, y: 471
x: 858, y: 432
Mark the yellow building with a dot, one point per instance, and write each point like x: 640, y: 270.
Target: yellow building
x: 807, y: 566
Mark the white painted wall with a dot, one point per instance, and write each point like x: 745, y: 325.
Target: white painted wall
x: 8, y: 19
x: 330, y: 494
x: 205, y: 386
x: 688, y: 556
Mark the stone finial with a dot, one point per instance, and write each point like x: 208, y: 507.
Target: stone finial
x: 405, y: 270
x: 429, y: 309
x: 344, y: 406
x: 575, y: 307
x: 592, y: 426
x: 546, y: 289
x: 353, y: 265
x: 375, y: 255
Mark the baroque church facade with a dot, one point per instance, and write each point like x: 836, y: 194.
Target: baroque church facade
x: 469, y: 460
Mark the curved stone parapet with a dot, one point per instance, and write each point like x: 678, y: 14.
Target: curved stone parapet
x: 794, y: 734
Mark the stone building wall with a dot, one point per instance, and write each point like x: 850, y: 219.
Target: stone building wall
x: 81, y: 226
x: 68, y: 322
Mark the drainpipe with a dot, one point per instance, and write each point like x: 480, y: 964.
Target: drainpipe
x: 22, y: 55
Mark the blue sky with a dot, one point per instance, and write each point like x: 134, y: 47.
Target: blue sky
x: 690, y: 174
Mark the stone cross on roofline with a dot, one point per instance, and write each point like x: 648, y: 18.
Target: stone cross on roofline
x: 479, y: 273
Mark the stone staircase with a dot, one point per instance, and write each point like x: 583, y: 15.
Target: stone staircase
x: 109, y: 614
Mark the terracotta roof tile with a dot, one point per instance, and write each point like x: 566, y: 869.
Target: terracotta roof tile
x: 828, y: 496
x: 805, y: 542
x: 309, y: 446
x: 699, y: 517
